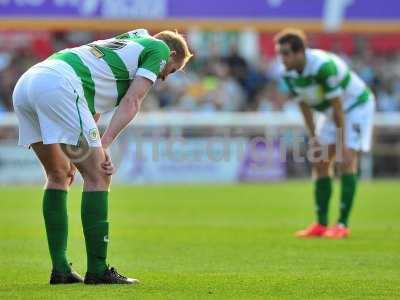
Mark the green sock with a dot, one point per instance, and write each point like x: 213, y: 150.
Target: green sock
x: 322, y: 193
x: 56, y: 221
x: 95, y: 228
x: 349, y: 184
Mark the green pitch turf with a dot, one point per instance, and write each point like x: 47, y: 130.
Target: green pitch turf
x: 212, y: 242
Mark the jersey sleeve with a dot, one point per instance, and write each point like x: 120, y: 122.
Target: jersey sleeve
x: 133, y: 33
x: 328, y: 78
x: 153, y: 59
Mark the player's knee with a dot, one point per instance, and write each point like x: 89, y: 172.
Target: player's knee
x: 59, y: 175
x: 349, y: 162
x: 96, y: 179
x: 322, y: 169
x: 349, y: 166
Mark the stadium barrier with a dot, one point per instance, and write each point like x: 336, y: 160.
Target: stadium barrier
x: 169, y: 147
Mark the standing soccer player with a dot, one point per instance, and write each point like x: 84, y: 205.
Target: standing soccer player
x: 321, y: 81
x: 57, y: 102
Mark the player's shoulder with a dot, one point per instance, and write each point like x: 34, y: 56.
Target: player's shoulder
x: 327, y: 63
x: 148, y: 42
x: 318, y: 53
x: 151, y: 43
x: 317, y: 59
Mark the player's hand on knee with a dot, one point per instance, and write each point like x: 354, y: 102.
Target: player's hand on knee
x: 107, y: 166
x: 347, y: 160
x: 71, y: 173
x: 313, y: 143
x: 96, y: 117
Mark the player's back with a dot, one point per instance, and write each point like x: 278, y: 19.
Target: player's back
x: 102, y: 70
x: 325, y: 76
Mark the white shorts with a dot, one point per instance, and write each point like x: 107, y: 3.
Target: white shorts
x: 358, y: 127
x: 51, y: 111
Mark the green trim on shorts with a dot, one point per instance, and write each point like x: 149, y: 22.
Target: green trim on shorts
x: 80, y: 119
x: 83, y: 72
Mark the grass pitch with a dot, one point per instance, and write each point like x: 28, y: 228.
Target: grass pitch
x: 212, y: 242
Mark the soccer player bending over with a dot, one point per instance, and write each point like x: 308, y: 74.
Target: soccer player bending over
x: 57, y: 102
x: 321, y: 81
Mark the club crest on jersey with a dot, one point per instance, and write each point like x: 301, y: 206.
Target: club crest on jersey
x: 162, y: 64
x: 93, y: 134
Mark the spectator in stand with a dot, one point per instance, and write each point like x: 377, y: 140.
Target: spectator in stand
x: 216, y: 82
x: 387, y: 99
x: 229, y: 95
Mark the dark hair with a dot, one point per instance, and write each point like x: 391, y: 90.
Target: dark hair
x: 296, y: 38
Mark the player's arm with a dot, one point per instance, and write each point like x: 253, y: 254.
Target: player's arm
x: 127, y: 109
x: 151, y: 62
x: 308, y: 117
x: 338, y: 117
x: 329, y: 80
x: 305, y: 109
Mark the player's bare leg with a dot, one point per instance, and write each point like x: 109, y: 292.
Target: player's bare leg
x: 58, y: 168
x: 349, y: 168
x: 322, y: 172
x: 59, y: 174
x: 96, y: 171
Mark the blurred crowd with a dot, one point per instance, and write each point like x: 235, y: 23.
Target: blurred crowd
x: 214, y: 82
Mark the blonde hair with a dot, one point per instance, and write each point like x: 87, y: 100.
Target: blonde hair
x: 176, y: 42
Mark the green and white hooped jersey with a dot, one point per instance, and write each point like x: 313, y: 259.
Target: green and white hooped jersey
x: 104, y: 69
x: 325, y: 77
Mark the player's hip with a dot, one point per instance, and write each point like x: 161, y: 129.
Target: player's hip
x: 358, y: 128
x: 364, y: 100
x: 363, y: 113
x: 42, y: 87
x: 36, y: 82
